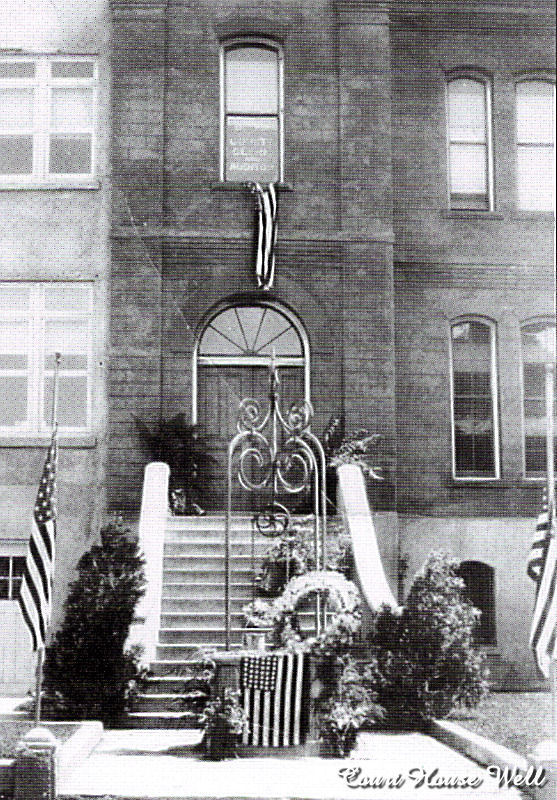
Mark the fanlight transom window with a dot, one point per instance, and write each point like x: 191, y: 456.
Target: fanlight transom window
x: 251, y: 332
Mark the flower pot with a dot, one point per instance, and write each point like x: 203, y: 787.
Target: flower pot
x: 255, y: 639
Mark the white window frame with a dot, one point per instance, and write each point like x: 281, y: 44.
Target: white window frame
x: 549, y: 320
x: 268, y: 44
x: 492, y: 325
x: 36, y: 317
x: 550, y: 82
x: 11, y: 551
x: 43, y: 85
x: 490, y: 169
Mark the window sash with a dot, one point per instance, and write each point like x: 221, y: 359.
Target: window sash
x: 260, y: 155
x: 469, y: 144
x: 39, y: 371
x: 474, y: 405
x: 534, y: 423
x: 80, y: 138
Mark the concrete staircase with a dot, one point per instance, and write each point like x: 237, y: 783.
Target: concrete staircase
x: 192, y: 614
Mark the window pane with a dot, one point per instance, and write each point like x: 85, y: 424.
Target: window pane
x: 252, y: 149
x: 60, y: 298
x: 468, y: 169
x: 534, y: 112
x: 72, y: 69
x: 17, y: 69
x: 538, y: 342
x: 13, y: 401
x: 14, y: 297
x: 467, y: 110
x: 251, y: 81
x: 70, y: 154
x: 66, y: 337
x: 13, y: 337
x: 473, y: 400
x: 18, y: 565
x: 4, y: 566
x: 72, y: 401
x: 536, y: 177
x: 71, y: 109
x: 16, y: 155
x: 4, y: 589
x: 16, y: 109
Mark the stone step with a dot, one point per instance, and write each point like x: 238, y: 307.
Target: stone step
x: 175, y: 701
x: 184, y: 620
x: 178, y: 669
x: 241, y: 573
x: 239, y: 596
x: 174, y: 654
x: 161, y: 719
x: 206, y: 562
x: 209, y: 548
x: 171, y: 684
x: 203, y: 591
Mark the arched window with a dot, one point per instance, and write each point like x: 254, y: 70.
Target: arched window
x: 538, y: 347
x: 475, y: 427
x: 480, y: 592
x: 233, y: 355
x: 469, y: 143
x: 251, y: 111
x: 535, y: 144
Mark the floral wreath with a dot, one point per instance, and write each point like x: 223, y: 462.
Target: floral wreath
x: 343, y: 612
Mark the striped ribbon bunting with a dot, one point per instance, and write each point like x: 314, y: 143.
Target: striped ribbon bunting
x: 266, y: 233
x: 274, y: 688
x: 35, y: 596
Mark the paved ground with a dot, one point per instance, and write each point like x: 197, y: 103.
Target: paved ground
x: 161, y: 764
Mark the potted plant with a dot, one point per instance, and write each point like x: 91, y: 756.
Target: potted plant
x: 343, y: 715
x: 224, y: 721
x: 258, y: 622
x: 291, y: 555
x: 179, y: 444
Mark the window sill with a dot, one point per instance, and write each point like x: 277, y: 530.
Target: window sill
x: 241, y: 186
x: 450, y: 213
x: 32, y: 186
x: 479, y: 481
x: 84, y: 442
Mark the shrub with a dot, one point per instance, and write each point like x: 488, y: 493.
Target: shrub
x: 424, y: 664
x: 87, y: 667
x: 224, y: 721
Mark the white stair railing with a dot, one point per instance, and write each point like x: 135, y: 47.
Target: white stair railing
x: 358, y: 520
x: 152, y: 526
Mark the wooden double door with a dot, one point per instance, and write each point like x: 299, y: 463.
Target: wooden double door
x: 219, y: 394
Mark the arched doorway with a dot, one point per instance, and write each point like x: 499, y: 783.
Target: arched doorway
x: 232, y: 356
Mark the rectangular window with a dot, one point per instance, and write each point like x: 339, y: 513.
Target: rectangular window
x: 538, y: 346
x: 36, y: 321
x: 535, y: 143
x: 251, y: 113
x: 474, y: 400
x: 11, y: 572
x: 47, y: 119
x: 469, y: 143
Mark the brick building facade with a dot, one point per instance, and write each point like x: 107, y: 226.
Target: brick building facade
x: 414, y: 263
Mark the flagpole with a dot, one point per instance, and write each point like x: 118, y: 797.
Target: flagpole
x: 550, y: 452
x: 40, y: 651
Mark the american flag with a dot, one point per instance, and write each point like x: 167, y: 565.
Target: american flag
x: 542, y: 568
x: 266, y: 233
x: 35, y: 596
x: 275, y: 692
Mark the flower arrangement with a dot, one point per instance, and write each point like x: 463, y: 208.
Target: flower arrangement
x: 343, y: 612
x: 257, y: 614
x: 224, y: 721
x: 343, y: 715
x: 354, y: 448
x: 292, y: 554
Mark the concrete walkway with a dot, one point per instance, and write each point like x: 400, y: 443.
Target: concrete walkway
x: 161, y: 764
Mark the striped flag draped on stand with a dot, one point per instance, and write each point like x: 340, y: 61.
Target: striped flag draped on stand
x: 542, y: 568
x: 35, y: 597
x: 275, y: 693
x: 266, y: 233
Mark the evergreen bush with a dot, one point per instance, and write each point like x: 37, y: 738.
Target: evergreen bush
x: 424, y: 663
x: 87, y: 668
